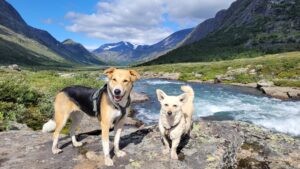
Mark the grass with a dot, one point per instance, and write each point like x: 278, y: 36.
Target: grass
x: 283, y: 68
x: 27, y: 97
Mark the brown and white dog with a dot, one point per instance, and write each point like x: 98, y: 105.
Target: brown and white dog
x: 112, y: 107
x: 175, y: 118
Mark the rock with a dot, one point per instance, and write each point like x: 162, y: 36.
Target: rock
x: 195, y: 81
x: 210, y: 81
x: 234, y: 72
x: 229, y: 68
x: 198, y: 75
x: 221, y: 78
x: 251, y: 85
x: 264, y: 83
x: 17, y: 126
x: 252, y: 72
x: 212, y: 144
x: 294, y: 93
x: 162, y: 75
x: 66, y: 75
x: 138, y: 97
x: 283, y: 93
x: 14, y: 67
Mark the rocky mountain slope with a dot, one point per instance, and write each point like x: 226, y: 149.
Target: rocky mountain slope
x: 20, y: 43
x: 81, y: 52
x: 213, y: 144
x: 125, y: 53
x: 247, y: 28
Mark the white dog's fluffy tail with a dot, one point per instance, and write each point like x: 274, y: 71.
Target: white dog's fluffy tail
x: 189, y: 91
x: 49, y: 126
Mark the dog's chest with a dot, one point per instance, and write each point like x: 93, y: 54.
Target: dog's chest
x: 115, y: 113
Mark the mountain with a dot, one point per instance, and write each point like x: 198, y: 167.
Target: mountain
x: 125, y: 53
x: 81, y: 53
x: 246, y: 29
x: 26, y: 45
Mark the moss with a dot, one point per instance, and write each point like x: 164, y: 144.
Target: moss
x: 136, y: 164
x: 250, y: 163
x: 254, y: 146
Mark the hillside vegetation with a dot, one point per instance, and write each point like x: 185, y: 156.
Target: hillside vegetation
x: 248, y: 28
x: 27, y: 97
x: 283, y: 69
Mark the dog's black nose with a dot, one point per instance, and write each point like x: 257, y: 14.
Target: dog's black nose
x: 117, y: 91
x: 169, y: 113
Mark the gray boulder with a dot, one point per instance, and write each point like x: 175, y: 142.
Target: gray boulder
x: 14, y: 67
x: 225, y: 144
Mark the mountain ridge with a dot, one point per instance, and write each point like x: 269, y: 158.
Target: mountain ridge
x: 128, y: 53
x: 11, y: 20
x: 247, y: 28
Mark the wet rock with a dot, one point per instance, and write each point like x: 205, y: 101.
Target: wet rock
x: 264, y: 83
x: 195, y: 81
x: 138, y: 97
x: 251, y: 85
x: 283, y: 93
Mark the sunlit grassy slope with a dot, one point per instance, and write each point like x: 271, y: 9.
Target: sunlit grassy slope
x: 16, y: 48
x: 283, y: 68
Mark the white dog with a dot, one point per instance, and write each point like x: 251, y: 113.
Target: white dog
x: 175, y: 117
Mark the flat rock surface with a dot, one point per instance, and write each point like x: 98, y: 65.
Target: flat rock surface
x: 225, y: 144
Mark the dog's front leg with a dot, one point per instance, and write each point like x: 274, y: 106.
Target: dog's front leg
x: 105, y: 143
x: 175, y: 144
x: 118, y: 130
x: 166, y: 150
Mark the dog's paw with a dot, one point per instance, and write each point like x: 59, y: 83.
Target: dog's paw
x: 165, y: 150
x: 120, y: 153
x: 108, y: 162
x: 77, y: 144
x: 56, y: 151
x: 174, y: 155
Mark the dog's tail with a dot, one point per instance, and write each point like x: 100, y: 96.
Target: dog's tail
x: 189, y: 91
x: 49, y: 126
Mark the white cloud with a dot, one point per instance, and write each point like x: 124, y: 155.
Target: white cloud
x: 191, y: 12
x: 141, y: 21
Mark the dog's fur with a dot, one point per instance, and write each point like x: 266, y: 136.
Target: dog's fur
x: 73, y: 101
x: 175, y: 117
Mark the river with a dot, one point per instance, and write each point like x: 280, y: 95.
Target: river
x: 224, y: 102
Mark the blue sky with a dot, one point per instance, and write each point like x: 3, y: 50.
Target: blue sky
x: 94, y: 22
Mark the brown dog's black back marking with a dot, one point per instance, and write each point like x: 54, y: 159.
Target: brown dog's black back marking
x: 82, y: 96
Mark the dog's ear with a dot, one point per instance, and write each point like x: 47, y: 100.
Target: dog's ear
x: 183, y: 98
x: 160, y: 95
x: 134, y: 75
x: 108, y: 72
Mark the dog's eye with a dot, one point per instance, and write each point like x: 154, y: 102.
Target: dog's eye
x: 175, y: 105
x: 114, y: 79
x: 125, y: 81
x: 166, y: 105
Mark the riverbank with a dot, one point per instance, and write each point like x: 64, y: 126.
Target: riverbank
x: 280, y: 70
x: 212, y: 144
